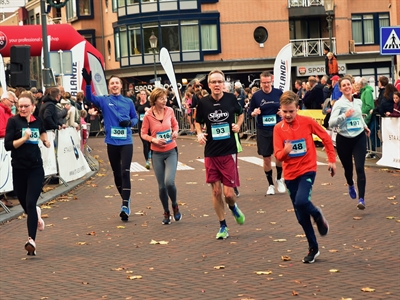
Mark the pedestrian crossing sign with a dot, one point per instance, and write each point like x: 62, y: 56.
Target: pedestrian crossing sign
x: 390, y: 40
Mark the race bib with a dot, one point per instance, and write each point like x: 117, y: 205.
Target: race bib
x: 118, y: 133
x: 299, y: 148
x: 35, y: 135
x: 220, y: 131
x: 166, y: 135
x: 353, y: 124
x: 269, y: 120
x: 141, y: 117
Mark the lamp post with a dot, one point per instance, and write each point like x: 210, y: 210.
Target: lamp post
x: 153, y: 45
x: 329, y: 8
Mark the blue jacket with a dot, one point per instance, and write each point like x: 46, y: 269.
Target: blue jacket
x: 114, y: 110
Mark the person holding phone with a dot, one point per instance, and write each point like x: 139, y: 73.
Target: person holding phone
x: 294, y: 146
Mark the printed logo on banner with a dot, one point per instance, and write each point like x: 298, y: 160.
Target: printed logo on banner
x: 3, y: 40
x: 6, y: 183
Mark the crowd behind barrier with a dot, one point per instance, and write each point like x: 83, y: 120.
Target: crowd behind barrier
x: 64, y: 159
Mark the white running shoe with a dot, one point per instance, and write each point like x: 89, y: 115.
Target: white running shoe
x: 280, y: 185
x: 40, y: 225
x: 271, y: 190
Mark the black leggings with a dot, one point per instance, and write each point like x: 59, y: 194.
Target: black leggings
x: 28, y: 186
x: 120, y: 158
x: 146, y: 144
x: 346, y: 149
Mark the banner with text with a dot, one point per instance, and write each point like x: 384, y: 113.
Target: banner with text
x: 73, y: 83
x: 71, y: 162
x: 390, y: 143
x: 49, y: 155
x: 6, y: 182
x: 282, y: 68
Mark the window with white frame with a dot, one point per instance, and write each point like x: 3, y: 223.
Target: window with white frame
x: 209, y: 39
x: 148, y: 30
x: 170, y: 35
x: 366, y: 27
x: 190, y: 35
x: 136, y: 40
x: 72, y: 12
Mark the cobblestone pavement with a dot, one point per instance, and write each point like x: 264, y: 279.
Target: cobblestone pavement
x: 86, y: 252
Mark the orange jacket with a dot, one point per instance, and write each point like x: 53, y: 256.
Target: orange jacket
x: 333, y: 66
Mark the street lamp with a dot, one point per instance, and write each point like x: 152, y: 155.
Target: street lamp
x: 329, y: 8
x: 153, y: 45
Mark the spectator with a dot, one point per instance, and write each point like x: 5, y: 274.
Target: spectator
x: 387, y: 101
x: 396, y: 106
x: 72, y: 114
x: 333, y: 68
x: 397, y: 83
x: 241, y: 95
x: 85, y: 132
x: 367, y: 99
x: 48, y: 111
x: 314, y: 98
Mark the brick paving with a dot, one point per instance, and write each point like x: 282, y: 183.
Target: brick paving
x: 85, y: 254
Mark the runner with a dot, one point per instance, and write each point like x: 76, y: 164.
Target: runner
x: 143, y: 105
x: 22, y: 139
x: 294, y: 145
x: 119, y: 116
x: 264, y: 105
x: 218, y: 112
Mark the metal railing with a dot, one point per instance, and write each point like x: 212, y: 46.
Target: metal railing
x: 304, y: 3
x: 311, y: 47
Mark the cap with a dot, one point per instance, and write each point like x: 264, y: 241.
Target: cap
x: 335, y: 77
x: 64, y: 101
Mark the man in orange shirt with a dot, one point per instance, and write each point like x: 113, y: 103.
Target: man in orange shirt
x: 294, y: 146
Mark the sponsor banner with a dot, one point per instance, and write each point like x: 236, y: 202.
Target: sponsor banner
x: 71, y: 162
x: 6, y: 182
x: 73, y: 83
x: 2, y: 75
x: 49, y: 155
x: 166, y: 63
x: 390, y: 143
x: 98, y: 77
x: 282, y: 68
x: 316, y: 114
x: 311, y: 70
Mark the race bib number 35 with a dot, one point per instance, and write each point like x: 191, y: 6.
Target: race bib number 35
x: 166, y: 135
x: 299, y: 148
x: 220, y: 131
x: 118, y: 133
x: 353, y: 124
x: 35, y: 135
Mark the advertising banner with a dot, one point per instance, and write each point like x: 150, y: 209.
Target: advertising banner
x: 73, y: 83
x: 71, y: 162
x: 98, y: 76
x: 6, y: 182
x: 2, y: 75
x: 166, y: 63
x: 390, y: 143
x: 282, y: 68
x: 49, y: 155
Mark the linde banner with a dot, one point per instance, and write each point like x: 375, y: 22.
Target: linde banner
x: 73, y: 83
x: 11, y: 5
x: 6, y: 182
x: 390, y: 143
x: 71, y: 162
x: 166, y: 63
x: 49, y: 155
x: 282, y: 68
x: 98, y: 77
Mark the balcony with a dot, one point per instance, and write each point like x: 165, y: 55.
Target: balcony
x: 306, y: 8
x: 311, y: 47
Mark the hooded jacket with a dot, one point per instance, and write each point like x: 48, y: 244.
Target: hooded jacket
x: 49, y: 114
x: 367, y: 99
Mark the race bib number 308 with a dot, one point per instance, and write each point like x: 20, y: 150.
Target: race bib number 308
x: 118, y: 133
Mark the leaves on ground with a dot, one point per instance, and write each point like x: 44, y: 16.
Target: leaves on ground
x: 285, y: 258
x: 334, y: 270
x: 357, y: 218
x: 263, y: 272
x: 391, y: 198
x: 368, y: 289
x: 390, y: 217
x: 219, y: 267
x: 134, y: 277
x: 280, y: 240
x: 120, y: 227
x: 82, y: 243
x: 153, y: 242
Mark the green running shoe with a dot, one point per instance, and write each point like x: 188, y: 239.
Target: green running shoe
x: 222, y: 233
x: 239, y: 216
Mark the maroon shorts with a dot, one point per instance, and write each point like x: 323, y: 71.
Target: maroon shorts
x: 222, y: 168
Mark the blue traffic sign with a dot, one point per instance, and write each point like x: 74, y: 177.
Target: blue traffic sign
x: 390, y: 40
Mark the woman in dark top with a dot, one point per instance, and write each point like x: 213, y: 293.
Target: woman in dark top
x: 22, y: 139
x: 143, y: 105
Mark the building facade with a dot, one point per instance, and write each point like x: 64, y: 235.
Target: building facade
x: 242, y: 38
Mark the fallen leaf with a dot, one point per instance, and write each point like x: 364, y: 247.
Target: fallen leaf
x: 326, y: 183
x: 219, y: 267
x: 109, y: 187
x: 290, y: 209
x: 153, y: 242
x: 129, y: 272
x: 357, y: 218
x: 347, y: 298
x: 85, y: 282
x: 334, y: 270
x: 65, y: 218
x: 263, y: 272
x: 294, y: 293
x: 285, y: 258
x: 44, y: 216
x: 390, y: 218
x: 108, y: 196
x: 181, y: 203
x: 100, y: 174
x: 91, y: 233
x: 117, y: 269
x: 134, y: 277
x: 81, y: 243
x: 260, y: 211
x: 140, y: 212
x: 280, y: 240
x: 191, y: 182
x: 300, y: 235
x: 120, y: 227
x: 333, y: 250
x: 94, y: 185
x: 273, y: 223
x: 392, y: 198
x: 367, y: 289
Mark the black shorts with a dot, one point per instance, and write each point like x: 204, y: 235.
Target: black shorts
x: 265, y: 142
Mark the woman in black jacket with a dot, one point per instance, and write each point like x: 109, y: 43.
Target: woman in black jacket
x: 22, y: 139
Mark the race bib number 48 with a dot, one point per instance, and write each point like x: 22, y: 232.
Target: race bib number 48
x: 118, y: 133
x: 35, y: 135
x: 299, y: 148
x: 220, y: 131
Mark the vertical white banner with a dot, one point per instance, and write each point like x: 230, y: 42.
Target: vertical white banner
x: 166, y: 63
x: 282, y: 68
x: 390, y: 143
x: 73, y: 83
x: 6, y: 182
x: 49, y: 155
x: 71, y: 162
x: 98, y: 76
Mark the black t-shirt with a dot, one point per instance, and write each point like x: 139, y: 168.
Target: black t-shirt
x: 219, y: 117
x: 28, y: 155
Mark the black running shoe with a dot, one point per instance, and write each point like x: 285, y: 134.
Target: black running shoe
x: 322, y: 224
x: 167, y: 218
x: 311, y: 256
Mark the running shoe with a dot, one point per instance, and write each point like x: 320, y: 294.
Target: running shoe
x: 361, y: 204
x: 280, y: 185
x: 177, y: 214
x: 125, y: 211
x: 147, y: 165
x: 222, y: 233
x: 271, y: 190
x: 167, y: 218
x: 352, y: 192
x: 40, y: 225
x: 30, y: 246
x: 238, y: 215
x: 235, y: 189
x: 311, y: 256
x: 322, y: 224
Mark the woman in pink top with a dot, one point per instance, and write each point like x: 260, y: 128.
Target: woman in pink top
x: 160, y: 128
